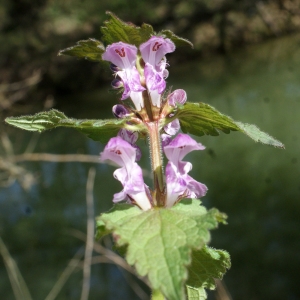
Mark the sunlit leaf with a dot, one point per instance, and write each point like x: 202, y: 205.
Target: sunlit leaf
x: 196, y: 293
x: 90, y: 49
x: 200, y: 119
x: 178, y: 41
x: 207, y: 265
x: 98, y: 130
x: 160, y: 240
x: 115, y: 30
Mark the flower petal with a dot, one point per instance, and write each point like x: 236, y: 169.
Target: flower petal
x: 180, y: 146
x: 133, y: 186
x: 195, y: 189
x: 129, y: 136
x: 131, y: 81
x: 120, y: 111
x: 178, y: 96
x: 179, y: 183
x: 130, y: 174
x: 137, y: 99
x: 121, y: 55
x: 155, y: 49
x: 154, y: 79
x: 165, y: 140
x: 119, y: 151
x: 173, y: 127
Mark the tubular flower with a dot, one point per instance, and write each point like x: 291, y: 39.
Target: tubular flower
x: 176, y: 97
x: 124, y: 56
x: 131, y: 137
x: 179, y: 183
x: 120, y: 111
x: 170, y: 129
x: 130, y: 174
x: 153, y: 53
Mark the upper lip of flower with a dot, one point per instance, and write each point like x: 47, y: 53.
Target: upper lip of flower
x: 121, y: 54
x: 155, y: 49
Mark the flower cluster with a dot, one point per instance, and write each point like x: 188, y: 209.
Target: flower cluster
x: 134, y: 77
x: 141, y: 74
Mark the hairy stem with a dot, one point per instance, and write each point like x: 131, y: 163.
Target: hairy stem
x: 156, y: 162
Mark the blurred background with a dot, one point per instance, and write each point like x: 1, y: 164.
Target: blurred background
x: 246, y: 63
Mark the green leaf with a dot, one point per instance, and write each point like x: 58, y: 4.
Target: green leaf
x: 157, y: 295
x: 90, y: 49
x: 116, y: 30
x: 207, y: 265
x: 259, y: 136
x: 200, y: 119
x: 196, y: 293
x: 178, y: 41
x: 98, y: 130
x: 160, y: 240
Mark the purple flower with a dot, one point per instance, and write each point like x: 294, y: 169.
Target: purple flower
x: 120, y: 111
x: 154, y: 50
x: 170, y: 129
x: 179, y: 183
x: 124, y: 56
x: 130, y: 174
x: 173, y: 127
x: 131, y: 137
x: 178, y: 96
x: 117, y: 83
x: 165, y: 140
x: 153, y: 53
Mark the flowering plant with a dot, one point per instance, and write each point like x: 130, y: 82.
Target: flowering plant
x: 164, y: 229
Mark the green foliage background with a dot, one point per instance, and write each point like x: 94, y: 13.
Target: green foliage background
x: 31, y: 32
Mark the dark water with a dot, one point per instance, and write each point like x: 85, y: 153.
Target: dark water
x: 256, y: 185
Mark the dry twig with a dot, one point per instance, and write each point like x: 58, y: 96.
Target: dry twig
x: 90, y: 235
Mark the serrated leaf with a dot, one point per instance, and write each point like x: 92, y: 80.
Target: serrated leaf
x: 160, y: 240
x: 259, y: 136
x: 200, y: 119
x: 98, y: 130
x: 207, y: 265
x: 115, y: 30
x: 178, y: 41
x: 90, y: 49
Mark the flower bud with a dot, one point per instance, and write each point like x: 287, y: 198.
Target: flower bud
x: 120, y: 111
x: 114, y: 68
x: 117, y: 83
x: 178, y: 96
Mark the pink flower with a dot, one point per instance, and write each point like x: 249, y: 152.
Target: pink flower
x: 124, y: 56
x: 130, y: 174
x: 179, y: 183
x: 154, y: 50
x: 153, y: 53
x: 170, y: 129
x: 178, y: 96
x: 131, y: 137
